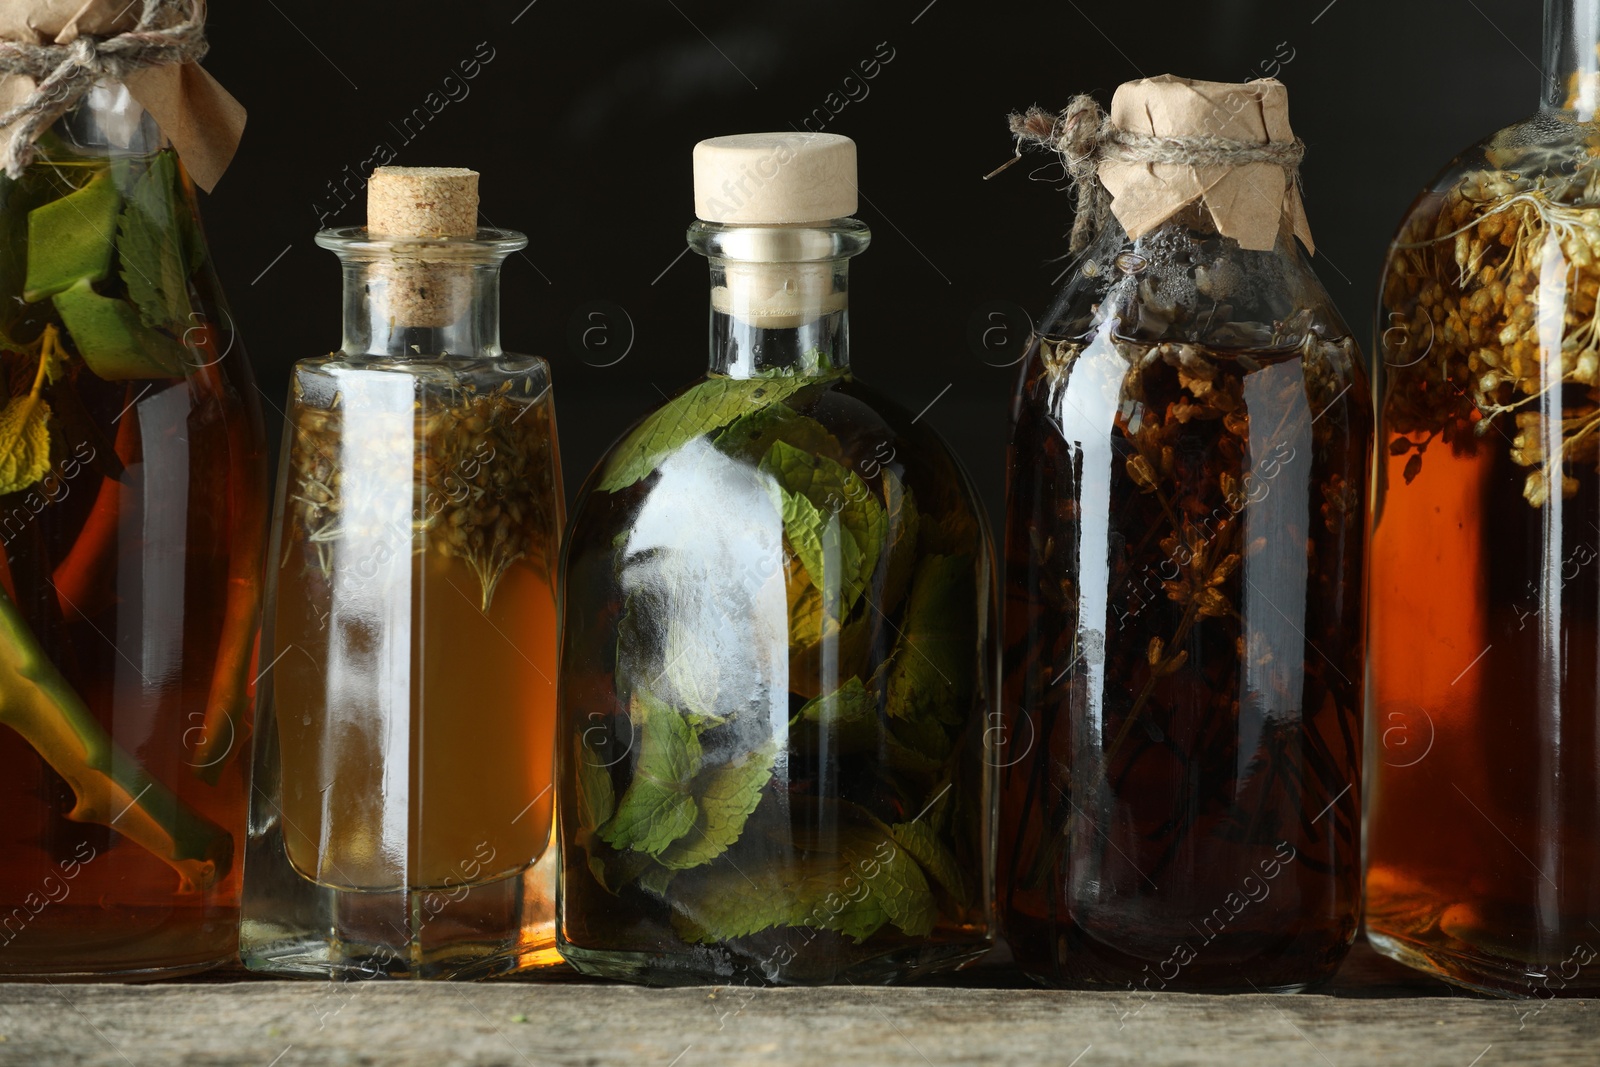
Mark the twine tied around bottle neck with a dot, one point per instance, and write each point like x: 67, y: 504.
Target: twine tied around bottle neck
x: 1084, y: 137
x: 168, y: 31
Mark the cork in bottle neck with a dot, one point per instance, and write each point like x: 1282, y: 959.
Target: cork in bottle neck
x: 428, y: 202
x: 773, y: 212
x: 421, y: 279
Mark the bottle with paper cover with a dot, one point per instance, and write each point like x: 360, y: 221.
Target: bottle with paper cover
x: 1483, y: 849
x: 132, y: 530
x: 776, y: 637
x: 401, y: 820
x: 1184, y: 546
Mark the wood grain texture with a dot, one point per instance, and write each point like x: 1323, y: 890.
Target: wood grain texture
x: 1374, y: 1012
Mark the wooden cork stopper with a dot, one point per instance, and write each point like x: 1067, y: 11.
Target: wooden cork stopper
x: 775, y: 178
x: 423, y: 287
x: 422, y: 202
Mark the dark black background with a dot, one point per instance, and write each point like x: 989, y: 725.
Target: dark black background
x: 583, y: 121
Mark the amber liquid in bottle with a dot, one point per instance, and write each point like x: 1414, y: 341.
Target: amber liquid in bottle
x: 79, y: 890
x: 1483, y: 806
x: 429, y: 686
x: 135, y: 567
x: 1483, y: 834
x: 484, y: 789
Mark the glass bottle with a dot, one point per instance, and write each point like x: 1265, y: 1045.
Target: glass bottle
x: 403, y: 758
x: 1184, y: 536
x: 1483, y: 854
x: 777, y: 591
x: 133, y: 520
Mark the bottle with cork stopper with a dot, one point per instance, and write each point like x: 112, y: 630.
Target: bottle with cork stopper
x: 777, y: 620
x: 1181, y: 746
x: 401, y: 824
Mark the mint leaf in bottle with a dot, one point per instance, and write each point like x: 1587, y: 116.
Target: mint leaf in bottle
x: 930, y: 674
x: 656, y: 809
x: 704, y: 408
x: 156, y: 250
x: 726, y: 795
x: 831, y: 518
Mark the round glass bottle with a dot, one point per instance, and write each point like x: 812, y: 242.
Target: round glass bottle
x: 1183, y: 654
x: 776, y: 651
x: 403, y: 758
x: 134, y: 519
x: 1483, y: 854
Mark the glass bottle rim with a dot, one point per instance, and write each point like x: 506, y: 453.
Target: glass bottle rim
x: 355, y: 242
x: 806, y: 242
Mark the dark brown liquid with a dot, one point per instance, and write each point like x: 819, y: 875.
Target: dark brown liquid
x: 1183, y: 670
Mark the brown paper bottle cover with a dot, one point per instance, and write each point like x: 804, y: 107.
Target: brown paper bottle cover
x: 1249, y: 202
x: 201, y: 119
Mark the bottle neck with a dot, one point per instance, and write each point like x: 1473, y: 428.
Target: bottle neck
x: 780, y: 296
x: 421, y: 299
x: 108, y: 120
x: 779, y: 318
x: 1571, y: 62
x: 407, y: 311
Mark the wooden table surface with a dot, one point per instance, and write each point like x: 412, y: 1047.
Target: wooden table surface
x: 1374, y: 1012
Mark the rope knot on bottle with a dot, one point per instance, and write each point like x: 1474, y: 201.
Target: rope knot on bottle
x: 1084, y: 136
x: 167, y: 32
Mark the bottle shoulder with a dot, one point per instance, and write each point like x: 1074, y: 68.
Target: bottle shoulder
x: 520, y: 377
x: 1541, y: 172
x: 829, y: 438
x: 1183, y: 282
x: 1467, y: 295
x: 1543, y: 148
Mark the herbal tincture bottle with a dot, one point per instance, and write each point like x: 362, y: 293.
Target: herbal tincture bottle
x: 133, y: 521
x: 1483, y: 831
x: 776, y: 636
x: 1187, y: 481
x: 403, y: 760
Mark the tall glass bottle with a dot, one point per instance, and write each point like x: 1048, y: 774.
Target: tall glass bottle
x: 403, y: 760
x: 776, y: 637
x: 133, y: 468
x: 1483, y: 854
x: 1183, y: 615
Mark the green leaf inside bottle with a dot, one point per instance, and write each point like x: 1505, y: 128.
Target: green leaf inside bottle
x: 70, y: 240
x: 111, y: 339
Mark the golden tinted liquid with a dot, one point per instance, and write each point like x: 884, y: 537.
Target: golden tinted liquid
x: 414, y: 697
x: 449, y: 783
